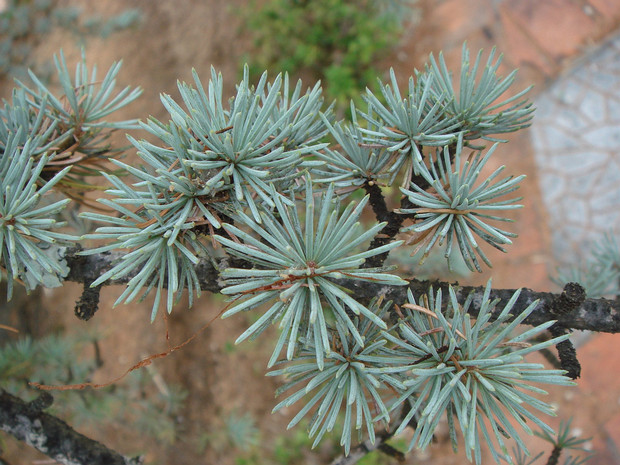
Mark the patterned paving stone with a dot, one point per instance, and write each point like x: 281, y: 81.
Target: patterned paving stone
x: 576, y: 139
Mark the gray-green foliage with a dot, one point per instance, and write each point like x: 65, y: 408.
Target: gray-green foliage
x: 256, y: 186
x: 27, y: 224
x: 474, y: 371
x: 433, y: 113
x: 457, y: 206
x: 297, y: 267
x: 47, y: 141
x: 356, y: 162
x: 350, y: 380
x: 216, y: 160
x: 477, y: 105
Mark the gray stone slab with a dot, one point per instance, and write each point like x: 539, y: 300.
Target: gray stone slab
x: 576, y: 138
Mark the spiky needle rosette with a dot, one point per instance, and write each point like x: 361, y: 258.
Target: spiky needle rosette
x: 473, y: 371
x: 86, y: 99
x: 456, y: 206
x: 157, y: 227
x: 434, y: 110
x: 405, y: 124
x: 26, y: 221
x: 356, y: 160
x: 350, y: 382
x: 18, y: 118
x: 296, y: 260
x: 477, y: 105
x: 79, y: 116
x: 259, y: 139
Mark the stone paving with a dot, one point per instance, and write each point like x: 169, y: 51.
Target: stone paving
x: 576, y: 141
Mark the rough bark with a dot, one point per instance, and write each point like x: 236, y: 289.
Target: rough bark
x: 599, y: 315
x: 388, y: 233
x: 27, y: 422
x: 87, y: 268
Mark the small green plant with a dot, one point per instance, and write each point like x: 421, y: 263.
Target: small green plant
x: 238, y: 434
x: 335, y: 41
x: 241, y: 431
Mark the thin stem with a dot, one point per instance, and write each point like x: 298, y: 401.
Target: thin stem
x: 388, y: 233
